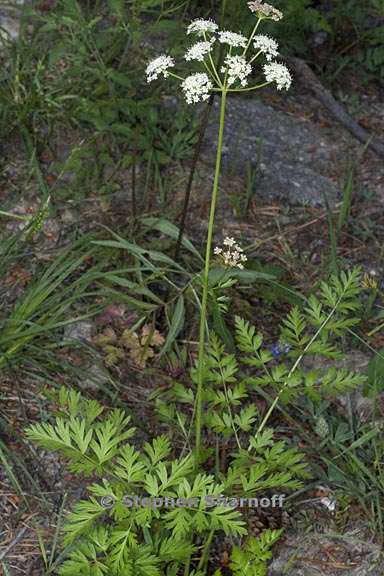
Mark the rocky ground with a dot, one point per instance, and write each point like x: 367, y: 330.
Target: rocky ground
x: 299, y: 153
x: 329, y: 554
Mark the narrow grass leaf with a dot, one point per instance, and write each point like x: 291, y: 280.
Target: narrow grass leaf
x: 176, y: 324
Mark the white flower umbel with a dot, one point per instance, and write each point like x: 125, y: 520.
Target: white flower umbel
x: 199, y: 51
x: 266, y: 45
x: 275, y: 72
x: 265, y: 11
x: 238, y: 70
x: 231, y: 255
x: 159, y: 66
x: 201, y: 27
x: 233, y: 39
x: 197, y: 87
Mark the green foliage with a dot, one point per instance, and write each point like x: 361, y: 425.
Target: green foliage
x: 307, y: 334
x: 250, y: 559
x: 353, y: 458
x: 111, y: 534
x: 354, y: 35
x: 311, y: 333
x: 82, y: 66
x: 124, y: 538
x: 154, y: 284
x: 309, y: 338
x: 375, y: 375
x: 46, y: 304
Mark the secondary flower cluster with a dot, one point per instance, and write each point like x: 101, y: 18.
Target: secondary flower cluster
x: 159, y: 66
x: 264, y: 10
x: 196, y: 87
x: 237, y: 68
x: 199, y: 51
x: 231, y: 254
x: 268, y: 46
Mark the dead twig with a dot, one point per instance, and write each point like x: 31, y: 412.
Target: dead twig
x: 310, y: 80
x: 14, y: 542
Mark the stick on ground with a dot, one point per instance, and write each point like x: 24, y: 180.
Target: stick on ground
x: 12, y: 544
x: 310, y: 80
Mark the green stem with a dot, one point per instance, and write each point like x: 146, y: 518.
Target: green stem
x: 187, y: 567
x: 249, y: 89
x: 204, y: 302
x: 252, y: 36
x: 223, y: 11
x: 176, y: 76
x: 15, y: 216
x: 204, y: 557
x: 214, y: 71
x: 255, y: 57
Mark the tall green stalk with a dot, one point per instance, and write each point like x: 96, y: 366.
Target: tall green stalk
x: 204, y: 302
x: 231, y: 74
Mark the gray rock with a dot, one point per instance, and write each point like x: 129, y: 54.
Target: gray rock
x: 9, y: 21
x: 291, y: 157
x: 330, y: 554
x: 79, y: 331
x: 97, y: 378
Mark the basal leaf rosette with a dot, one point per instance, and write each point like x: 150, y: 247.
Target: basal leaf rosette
x: 242, y: 58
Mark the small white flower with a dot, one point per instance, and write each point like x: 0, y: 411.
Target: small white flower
x: 199, y: 51
x: 264, y: 10
x: 158, y: 66
x: 233, y: 39
x: 233, y: 255
x: 196, y: 87
x: 267, y: 45
x: 278, y: 73
x: 238, y: 69
x: 201, y: 27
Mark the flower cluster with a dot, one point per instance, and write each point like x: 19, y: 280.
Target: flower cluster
x: 196, y: 87
x: 264, y: 10
x: 231, y: 254
x: 266, y: 45
x: 199, y: 51
x: 202, y: 27
x: 238, y: 69
x: 159, y: 66
x: 278, y: 73
x: 233, y: 39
